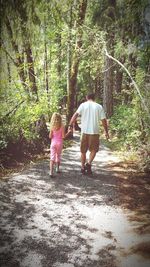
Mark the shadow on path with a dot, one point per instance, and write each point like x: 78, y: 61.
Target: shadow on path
x: 75, y: 220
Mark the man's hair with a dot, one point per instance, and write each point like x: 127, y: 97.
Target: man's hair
x: 91, y: 96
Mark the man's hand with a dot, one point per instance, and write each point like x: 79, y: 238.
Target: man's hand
x: 70, y: 128
x: 107, y: 136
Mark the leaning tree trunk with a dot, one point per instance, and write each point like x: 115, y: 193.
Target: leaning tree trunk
x: 75, y: 61
x: 8, y: 69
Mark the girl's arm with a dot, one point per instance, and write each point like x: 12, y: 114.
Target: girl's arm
x: 63, y: 132
x: 51, y: 134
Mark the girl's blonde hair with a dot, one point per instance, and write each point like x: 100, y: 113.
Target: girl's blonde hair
x: 56, y: 121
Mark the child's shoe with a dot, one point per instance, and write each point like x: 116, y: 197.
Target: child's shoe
x: 51, y: 175
x: 57, y: 170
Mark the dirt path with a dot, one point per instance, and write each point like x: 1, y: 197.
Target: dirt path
x: 75, y: 220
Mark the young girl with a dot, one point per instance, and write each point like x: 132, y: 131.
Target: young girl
x: 57, y: 134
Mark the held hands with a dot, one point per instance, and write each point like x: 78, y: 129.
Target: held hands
x: 70, y: 129
x: 107, y: 136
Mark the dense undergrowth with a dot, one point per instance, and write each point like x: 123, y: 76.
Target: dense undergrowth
x: 24, y: 139
x: 130, y: 136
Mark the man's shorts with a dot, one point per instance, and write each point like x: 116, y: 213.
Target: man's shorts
x: 89, y: 142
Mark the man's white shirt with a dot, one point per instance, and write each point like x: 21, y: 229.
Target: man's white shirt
x: 91, y: 114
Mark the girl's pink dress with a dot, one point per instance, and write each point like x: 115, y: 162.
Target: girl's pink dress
x: 56, y: 145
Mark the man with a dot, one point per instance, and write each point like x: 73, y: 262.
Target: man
x: 91, y: 114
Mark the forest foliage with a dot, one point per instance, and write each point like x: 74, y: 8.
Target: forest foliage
x: 54, y: 52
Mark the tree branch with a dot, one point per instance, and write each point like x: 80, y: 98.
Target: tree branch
x: 7, y: 53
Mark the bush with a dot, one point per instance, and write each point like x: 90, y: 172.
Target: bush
x: 130, y: 125
x: 124, y: 124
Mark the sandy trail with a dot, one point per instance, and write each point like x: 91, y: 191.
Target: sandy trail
x: 74, y: 220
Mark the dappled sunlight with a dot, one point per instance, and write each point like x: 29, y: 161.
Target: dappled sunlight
x: 92, y: 220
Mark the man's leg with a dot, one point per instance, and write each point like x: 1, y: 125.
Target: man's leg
x: 92, y: 156
x: 83, y: 159
x: 88, y: 165
x: 93, y: 147
x: 83, y: 149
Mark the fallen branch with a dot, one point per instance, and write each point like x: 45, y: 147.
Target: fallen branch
x: 133, y: 82
x: 12, y: 111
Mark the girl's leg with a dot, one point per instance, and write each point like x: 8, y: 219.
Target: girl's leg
x: 51, y: 167
x: 52, y: 158
x: 58, y: 156
x: 57, y: 167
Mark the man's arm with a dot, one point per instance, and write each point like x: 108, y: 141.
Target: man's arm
x: 105, y: 125
x: 73, y: 119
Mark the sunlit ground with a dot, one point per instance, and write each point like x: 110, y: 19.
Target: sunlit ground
x: 71, y: 220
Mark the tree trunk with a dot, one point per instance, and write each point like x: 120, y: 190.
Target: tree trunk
x: 45, y: 59
x: 22, y: 10
x: 31, y: 71
x: 46, y: 69
x: 108, y: 87
x: 109, y: 69
x: 98, y: 89
x: 59, y: 56
x: 75, y: 61
x: 69, y: 66
x: 19, y: 62
x: 119, y: 77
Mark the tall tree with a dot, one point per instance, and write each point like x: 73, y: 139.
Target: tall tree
x: 76, y: 58
x: 21, y: 8
x: 19, y: 58
x: 46, y: 57
x: 104, y: 16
